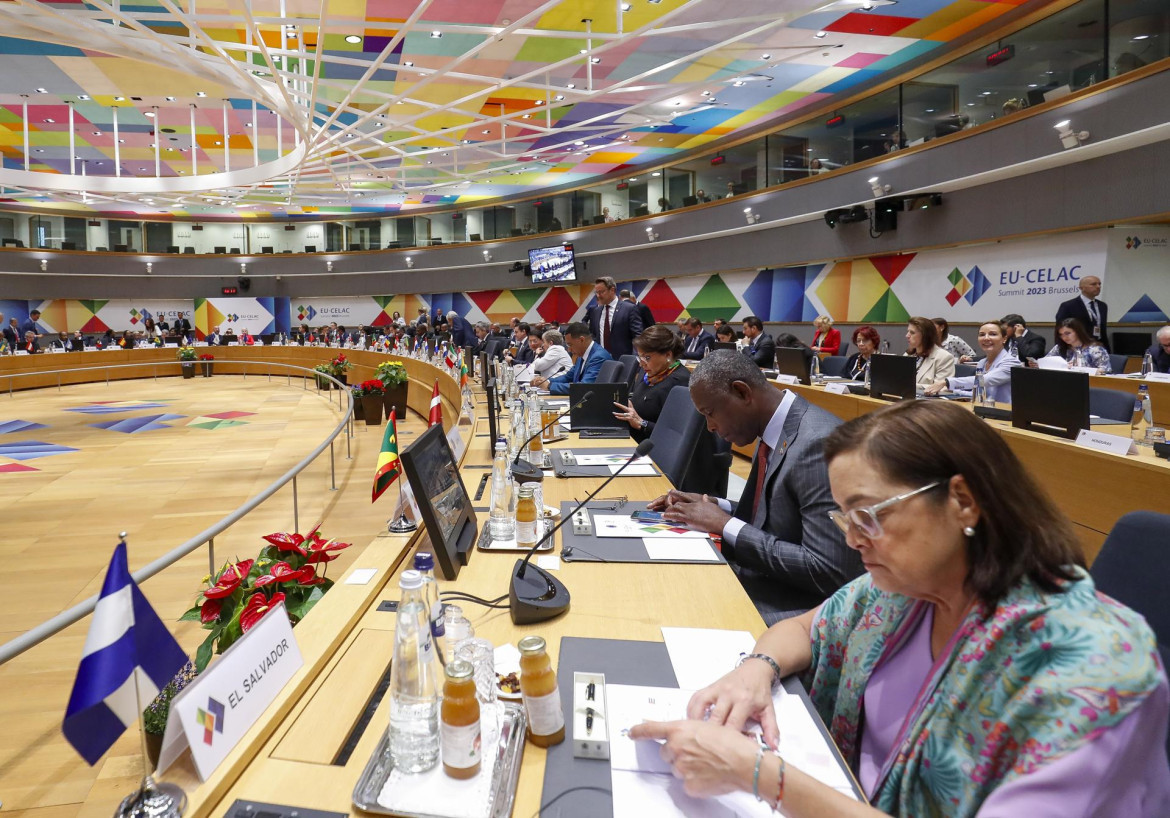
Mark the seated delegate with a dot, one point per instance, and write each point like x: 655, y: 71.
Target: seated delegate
x: 658, y: 350
x: 952, y: 343
x: 1078, y: 349
x: 1160, y: 351
x: 934, y: 363
x: 826, y: 339
x: 995, y: 367
x: 589, y: 358
x: 972, y: 671
x: 866, y: 339
x: 553, y: 359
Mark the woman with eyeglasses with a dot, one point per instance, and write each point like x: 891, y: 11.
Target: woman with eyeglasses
x: 658, y: 350
x: 866, y: 339
x: 974, y: 670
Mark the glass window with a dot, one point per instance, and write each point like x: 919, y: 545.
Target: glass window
x: 1139, y: 34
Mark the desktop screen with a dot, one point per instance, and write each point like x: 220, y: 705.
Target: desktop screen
x: 553, y: 264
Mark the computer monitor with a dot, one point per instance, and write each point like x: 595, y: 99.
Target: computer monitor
x: 793, y: 361
x: 599, y: 219
x: 310, y: 248
x: 485, y: 373
x: 493, y: 429
x: 266, y: 250
x: 120, y: 248
x: 173, y: 249
x: 591, y: 406
x: 1051, y: 401
x: 220, y: 249
x: 553, y: 264
x: 893, y: 377
x: 724, y: 345
x: 690, y: 201
x: 442, y: 499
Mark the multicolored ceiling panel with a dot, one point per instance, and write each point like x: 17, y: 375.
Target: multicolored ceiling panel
x: 382, y: 106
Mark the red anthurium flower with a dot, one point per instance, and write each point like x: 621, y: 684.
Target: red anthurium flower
x: 229, y: 580
x: 257, y: 606
x: 280, y: 572
x: 308, y: 576
x: 287, y: 542
x: 210, y: 611
x: 324, y: 551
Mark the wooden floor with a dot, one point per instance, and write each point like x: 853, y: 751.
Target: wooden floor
x: 162, y: 486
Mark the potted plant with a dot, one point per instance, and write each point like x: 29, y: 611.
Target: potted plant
x: 358, y: 411
x: 206, y: 362
x: 395, y: 382
x: 323, y: 383
x: 187, y: 358
x: 154, y: 717
x: 290, y: 569
x: 370, y: 394
x: 339, y: 366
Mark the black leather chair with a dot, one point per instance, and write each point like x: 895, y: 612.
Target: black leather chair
x: 266, y: 251
x: 120, y: 248
x: 188, y: 251
x: 1131, y: 567
x: 475, y: 237
x: 173, y: 249
x: 219, y: 250
x: 310, y: 248
x: 630, y: 366
x: 235, y: 251
x: 964, y: 370
x: 833, y: 366
x: 676, y: 435
x: 1111, y: 404
x: 1117, y: 363
x: 611, y: 372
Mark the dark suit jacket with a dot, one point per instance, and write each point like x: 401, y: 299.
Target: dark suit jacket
x: 461, y: 332
x: 76, y: 344
x: 581, y: 374
x: 1030, y: 346
x: 182, y: 326
x: 702, y: 342
x: 1075, y: 308
x: 1161, y: 359
x: 625, y: 326
x: 762, y: 350
x: 792, y: 557
x: 646, y: 315
x: 524, y: 355
x: 10, y: 337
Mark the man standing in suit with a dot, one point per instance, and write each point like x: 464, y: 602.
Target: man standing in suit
x: 587, y: 365
x: 1023, y: 343
x: 182, y: 326
x: 31, y: 324
x: 643, y: 311
x: 11, y: 332
x: 1092, y: 313
x: 761, y: 348
x: 779, y: 540
x: 615, y: 324
x: 461, y: 333
x: 697, y: 340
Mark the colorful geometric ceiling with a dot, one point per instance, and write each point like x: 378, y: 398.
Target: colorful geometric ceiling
x: 227, y: 108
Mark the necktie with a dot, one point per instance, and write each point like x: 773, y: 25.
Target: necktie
x: 605, y: 329
x: 763, y: 451
x: 1093, y: 314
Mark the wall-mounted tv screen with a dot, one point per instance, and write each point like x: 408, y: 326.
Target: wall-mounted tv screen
x: 553, y: 264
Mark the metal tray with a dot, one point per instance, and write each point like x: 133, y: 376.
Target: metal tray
x: 509, y: 752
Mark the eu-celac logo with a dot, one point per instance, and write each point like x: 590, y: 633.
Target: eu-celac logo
x: 305, y: 313
x: 231, y: 316
x: 135, y: 316
x: 211, y: 719
x: 971, y: 286
x: 1132, y: 242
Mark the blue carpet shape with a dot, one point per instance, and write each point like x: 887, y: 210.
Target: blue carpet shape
x: 130, y: 426
x: 31, y: 450
x: 9, y: 426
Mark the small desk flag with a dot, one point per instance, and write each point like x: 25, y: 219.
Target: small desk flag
x: 436, y: 417
x: 126, y: 641
x: 389, y: 467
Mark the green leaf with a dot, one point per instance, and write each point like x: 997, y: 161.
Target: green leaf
x: 203, y: 655
x: 192, y: 615
x: 299, y: 610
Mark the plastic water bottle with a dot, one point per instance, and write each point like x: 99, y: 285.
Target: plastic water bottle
x: 503, y: 510
x: 1147, y: 364
x: 814, y: 368
x: 414, y: 693
x: 1141, y: 412
x: 979, y: 396
x: 886, y: 347
x: 424, y: 563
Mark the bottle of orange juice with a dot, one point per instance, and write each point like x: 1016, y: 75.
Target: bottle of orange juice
x: 459, y: 735
x: 542, y: 699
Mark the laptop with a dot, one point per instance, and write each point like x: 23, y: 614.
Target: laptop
x: 594, y: 417
x: 795, y: 362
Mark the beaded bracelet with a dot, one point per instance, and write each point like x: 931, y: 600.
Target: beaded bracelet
x: 756, y: 774
x: 776, y: 672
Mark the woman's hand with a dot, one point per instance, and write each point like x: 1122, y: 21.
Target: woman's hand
x: 708, y: 758
x: 743, y: 694
x: 630, y: 415
x: 935, y: 388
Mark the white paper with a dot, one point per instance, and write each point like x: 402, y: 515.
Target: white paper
x: 611, y: 459
x: 506, y: 658
x: 549, y: 562
x: 360, y: 576
x: 633, y: 470
x: 680, y: 548
x: 701, y: 656
x: 620, y: 525
x: 1051, y: 362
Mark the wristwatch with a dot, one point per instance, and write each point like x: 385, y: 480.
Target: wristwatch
x: 777, y: 674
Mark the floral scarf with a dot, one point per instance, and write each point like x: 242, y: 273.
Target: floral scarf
x: 1025, y: 684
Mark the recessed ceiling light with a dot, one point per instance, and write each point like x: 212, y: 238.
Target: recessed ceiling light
x: 83, y: 96
x: 408, y: 64
x: 42, y: 91
x: 1141, y: 37
x: 170, y: 99
x: 352, y: 38
x: 633, y: 179
x: 560, y: 97
x: 218, y: 142
x: 119, y: 99
x: 1033, y: 85
x: 930, y: 110
x: 142, y: 169
x: 122, y: 141
x: 595, y: 60
x: 38, y: 150
x: 570, y: 85
x: 486, y: 131
x: 200, y: 94
x: 970, y: 104
x: 655, y: 173
x: 706, y: 93
x: 583, y: 51
x: 50, y: 120
x: 626, y: 6
x: 150, y: 114
x: 247, y: 124
x: 985, y: 93
x: 820, y: 35
x: 526, y: 116
x: 766, y: 57
x: 738, y: 83
x: 436, y: 35
x: 578, y: 142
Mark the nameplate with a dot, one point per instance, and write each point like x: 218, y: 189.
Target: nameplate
x: 787, y: 379
x: 259, y: 343
x: 170, y: 346
x: 837, y: 388
x: 1114, y: 444
x: 200, y: 344
x: 1088, y: 370
x: 53, y: 350
x: 233, y: 343
x: 21, y: 352
x: 91, y: 349
x: 214, y: 712
x: 1160, y: 377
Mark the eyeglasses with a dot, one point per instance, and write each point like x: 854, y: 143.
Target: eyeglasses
x: 865, y: 519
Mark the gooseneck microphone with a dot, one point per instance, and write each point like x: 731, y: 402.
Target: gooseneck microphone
x: 536, y: 595
x: 530, y: 472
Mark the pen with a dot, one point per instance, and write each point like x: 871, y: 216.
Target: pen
x: 588, y: 720
x: 590, y: 690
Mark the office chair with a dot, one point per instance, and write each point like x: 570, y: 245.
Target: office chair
x: 599, y: 219
x: 173, y: 249
x: 1131, y: 567
x: 844, y: 350
x: 475, y: 237
x: 964, y: 371
x: 629, y: 367
x: 102, y: 250
x: 611, y: 372
x: 393, y: 245
x: 675, y: 435
x: 516, y: 231
x: 354, y: 246
x: 833, y: 366
x: 310, y: 248
x: 68, y: 245
x: 266, y: 250
x: 1111, y: 404
x: 220, y: 250
x: 644, y: 210
x: 120, y: 248
x: 690, y: 201
x: 188, y: 251
x: 1118, y: 362
x: 435, y: 242
x: 235, y: 251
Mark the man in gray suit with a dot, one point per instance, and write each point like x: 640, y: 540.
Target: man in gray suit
x: 779, y: 540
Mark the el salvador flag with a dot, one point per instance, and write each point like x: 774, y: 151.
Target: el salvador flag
x: 126, y: 639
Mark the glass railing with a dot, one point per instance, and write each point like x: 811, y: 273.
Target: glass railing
x: 1064, y: 53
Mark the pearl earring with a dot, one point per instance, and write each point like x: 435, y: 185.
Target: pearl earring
x: 969, y: 531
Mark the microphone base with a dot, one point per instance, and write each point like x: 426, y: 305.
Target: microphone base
x: 525, y: 472
x: 536, y: 596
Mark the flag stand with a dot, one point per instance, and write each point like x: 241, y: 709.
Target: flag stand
x: 399, y: 522
x: 151, y: 799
